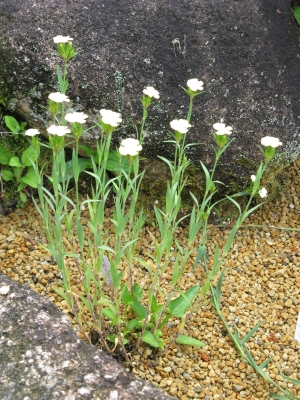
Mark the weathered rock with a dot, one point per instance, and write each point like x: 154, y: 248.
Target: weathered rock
x: 248, y: 57
x: 41, y: 357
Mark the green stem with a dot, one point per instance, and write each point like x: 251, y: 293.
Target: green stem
x: 77, y: 175
x: 145, y: 114
x: 189, y: 115
x: 64, y: 92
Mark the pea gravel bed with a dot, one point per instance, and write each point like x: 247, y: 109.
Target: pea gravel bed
x: 262, y: 282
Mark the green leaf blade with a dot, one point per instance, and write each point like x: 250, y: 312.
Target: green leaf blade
x: 179, y: 306
x: 184, y: 339
x: 7, y: 175
x: 15, y: 162
x: 249, y: 334
x: 139, y: 309
x: 12, y: 124
x: 5, y: 155
x: 29, y: 155
x: 297, y: 14
x: 30, y: 179
x: 149, y: 338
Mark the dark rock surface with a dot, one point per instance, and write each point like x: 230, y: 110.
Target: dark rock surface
x: 246, y: 52
x: 41, y: 358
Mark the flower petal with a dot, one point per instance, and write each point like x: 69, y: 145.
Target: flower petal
x: 180, y: 125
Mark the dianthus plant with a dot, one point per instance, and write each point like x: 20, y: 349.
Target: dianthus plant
x: 96, y: 251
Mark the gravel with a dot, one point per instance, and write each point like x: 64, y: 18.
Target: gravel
x: 262, y: 282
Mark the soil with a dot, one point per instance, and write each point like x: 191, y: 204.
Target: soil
x: 262, y: 283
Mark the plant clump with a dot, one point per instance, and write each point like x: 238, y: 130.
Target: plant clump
x: 124, y: 312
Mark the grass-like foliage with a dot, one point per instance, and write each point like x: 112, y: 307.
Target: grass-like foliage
x: 107, y: 296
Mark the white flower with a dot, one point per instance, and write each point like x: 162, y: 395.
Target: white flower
x: 151, y: 92
x: 62, y: 39
x: 253, y: 178
x: 110, y: 117
x: 221, y: 129
x: 58, y: 130
x: 195, y: 85
x: 130, y: 147
x: 32, y: 132
x: 270, y: 141
x: 79, y: 117
x: 58, y: 97
x: 263, y: 192
x: 180, y: 125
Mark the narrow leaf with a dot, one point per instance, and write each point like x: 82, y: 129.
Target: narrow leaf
x: 154, y: 305
x: 131, y: 325
x: 109, y: 314
x: 216, y: 265
x: 179, y: 306
x: 137, y: 292
x: 264, y: 364
x: 279, y: 396
x: 295, y: 381
x: 201, y: 255
x: 183, y: 339
x: 218, y: 291
x: 23, y: 197
x: 139, y: 309
x: 126, y: 296
x: 249, y: 334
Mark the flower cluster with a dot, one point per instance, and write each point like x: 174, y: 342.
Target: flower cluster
x: 130, y: 147
x: 58, y: 97
x: 222, y: 129
x: 263, y: 192
x: 110, y: 117
x: 34, y: 140
x: 180, y: 126
x: 58, y: 130
x: 78, y: 117
x: 221, y: 133
x: 149, y: 93
x: 55, y: 100
x: 62, y: 39
x: 57, y: 137
x: 65, y: 47
x: 32, y: 132
x: 271, y: 143
x: 109, y: 120
x: 194, y: 87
